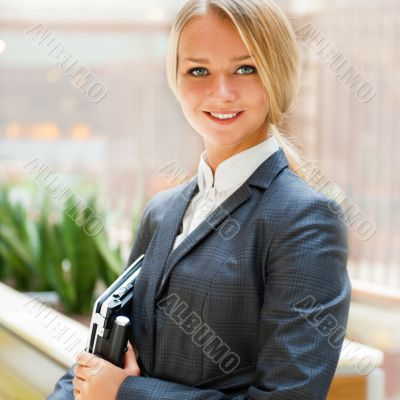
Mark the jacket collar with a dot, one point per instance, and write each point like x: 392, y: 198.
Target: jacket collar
x: 267, y: 171
x: 235, y: 170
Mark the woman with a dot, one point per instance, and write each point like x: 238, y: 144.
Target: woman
x: 244, y: 292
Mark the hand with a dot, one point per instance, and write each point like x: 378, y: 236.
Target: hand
x: 98, y: 379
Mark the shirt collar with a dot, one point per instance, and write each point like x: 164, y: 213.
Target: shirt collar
x: 235, y: 170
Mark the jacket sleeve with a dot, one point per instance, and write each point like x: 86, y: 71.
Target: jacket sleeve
x: 303, y: 316
x: 63, y: 389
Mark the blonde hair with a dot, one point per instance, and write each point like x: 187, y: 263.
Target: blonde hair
x: 268, y: 36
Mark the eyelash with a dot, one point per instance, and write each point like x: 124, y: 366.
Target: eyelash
x: 197, y: 68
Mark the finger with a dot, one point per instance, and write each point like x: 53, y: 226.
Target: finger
x: 94, y: 369
x: 79, y: 371
x: 132, y: 348
x: 130, y: 354
x: 85, y: 373
x: 87, y: 359
x: 130, y: 364
x: 77, y: 383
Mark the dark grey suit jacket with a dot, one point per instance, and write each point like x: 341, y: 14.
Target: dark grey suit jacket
x: 253, y: 304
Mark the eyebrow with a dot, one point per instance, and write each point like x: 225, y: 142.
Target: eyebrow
x: 206, y: 61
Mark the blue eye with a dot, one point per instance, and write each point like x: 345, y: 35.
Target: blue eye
x: 191, y: 71
x: 248, y: 66
x: 195, y: 69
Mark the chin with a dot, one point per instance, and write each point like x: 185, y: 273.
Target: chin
x: 222, y: 140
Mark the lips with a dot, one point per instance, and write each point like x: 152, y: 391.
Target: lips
x: 224, y: 112
x: 224, y: 121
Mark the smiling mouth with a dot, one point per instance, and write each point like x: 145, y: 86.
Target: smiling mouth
x: 224, y: 118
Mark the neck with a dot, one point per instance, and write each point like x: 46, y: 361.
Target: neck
x: 217, y: 154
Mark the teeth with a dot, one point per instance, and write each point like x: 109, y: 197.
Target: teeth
x: 224, y: 116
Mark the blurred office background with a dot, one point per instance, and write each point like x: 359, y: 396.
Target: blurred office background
x: 119, y: 143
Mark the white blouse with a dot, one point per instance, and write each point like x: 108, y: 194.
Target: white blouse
x: 229, y: 176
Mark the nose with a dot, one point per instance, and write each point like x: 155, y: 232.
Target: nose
x: 223, y: 89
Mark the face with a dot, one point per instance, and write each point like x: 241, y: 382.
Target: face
x: 220, y: 82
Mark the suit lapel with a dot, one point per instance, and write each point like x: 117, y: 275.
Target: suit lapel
x: 166, y: 231
x: 212, y: 223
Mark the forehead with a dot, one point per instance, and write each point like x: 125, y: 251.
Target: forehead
x: 210, y: 33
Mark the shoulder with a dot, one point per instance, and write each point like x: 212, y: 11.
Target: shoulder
x: 291, y: 200
x: 303, y: 222
x: 157, y: 206
x: 152, y: 216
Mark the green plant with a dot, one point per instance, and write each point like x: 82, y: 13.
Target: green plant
x: 54, y: 251
x: 18, y: 244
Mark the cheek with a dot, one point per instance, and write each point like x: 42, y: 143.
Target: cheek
x: 191, y: 94
x: 256, y: 94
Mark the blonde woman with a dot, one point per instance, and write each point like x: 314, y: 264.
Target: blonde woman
x: 244, y: 291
